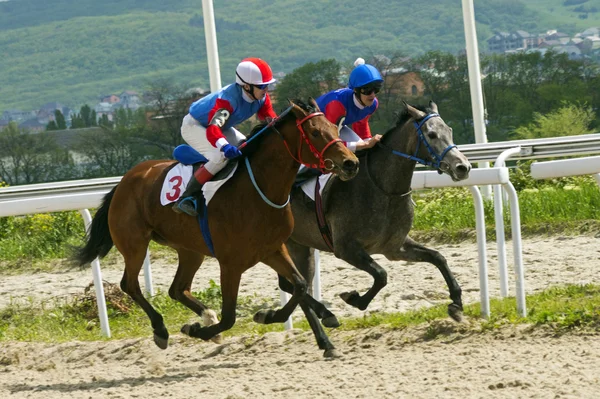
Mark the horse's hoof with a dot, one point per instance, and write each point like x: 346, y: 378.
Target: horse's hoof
x: 332, y: 354
x: 331, y: 322
x: 187, y: 328
x: 262, y: 316
x: 455, y: 311
x: 217, y: 339
x: 161, y: 342
x: 351, y: 298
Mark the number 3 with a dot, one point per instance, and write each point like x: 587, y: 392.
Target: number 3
x: 178, y: 181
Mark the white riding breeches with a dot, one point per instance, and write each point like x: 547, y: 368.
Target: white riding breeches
x: 195, y: 135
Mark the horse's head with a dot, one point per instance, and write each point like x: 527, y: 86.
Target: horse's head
x: 319, y: 143
x: 432, y: 141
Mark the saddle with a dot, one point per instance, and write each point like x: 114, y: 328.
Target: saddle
x: 187, y: 155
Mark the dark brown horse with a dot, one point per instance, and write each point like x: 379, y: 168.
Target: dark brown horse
x: 245, y: 229
x: 373, y: 213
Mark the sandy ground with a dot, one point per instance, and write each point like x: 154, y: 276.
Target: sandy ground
x: 374, y: 363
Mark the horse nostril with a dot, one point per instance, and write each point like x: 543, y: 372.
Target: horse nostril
x: 349, y: 165
x: 463, y: 169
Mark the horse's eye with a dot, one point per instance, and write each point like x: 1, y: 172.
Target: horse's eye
x: 315, y: 133
x: 432, y: 135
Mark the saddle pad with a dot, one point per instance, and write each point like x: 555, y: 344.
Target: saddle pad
x: 177, y: 179
x: 175, y: 183
x: 309, y: 186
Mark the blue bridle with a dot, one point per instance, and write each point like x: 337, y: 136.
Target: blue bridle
x: 421, y: 139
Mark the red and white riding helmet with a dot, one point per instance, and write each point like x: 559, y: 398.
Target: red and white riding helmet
x: 253, y: 71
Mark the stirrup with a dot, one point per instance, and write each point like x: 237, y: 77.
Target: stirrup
x: 184, y: 205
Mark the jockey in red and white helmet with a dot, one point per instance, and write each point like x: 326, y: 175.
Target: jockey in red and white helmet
x: 209, y: 126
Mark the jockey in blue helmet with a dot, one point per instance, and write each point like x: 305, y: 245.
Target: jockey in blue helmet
x: 350, y: 108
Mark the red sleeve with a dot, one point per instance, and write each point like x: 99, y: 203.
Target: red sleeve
x: 266, y: 111
x: 362, y: 128
x: 213, y: 132
x: 334, y: 111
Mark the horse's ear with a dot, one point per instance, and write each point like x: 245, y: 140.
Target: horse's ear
x: 314, y: 104
x: 433, y: 107
x: 298, y: 111
x: 415, y: 113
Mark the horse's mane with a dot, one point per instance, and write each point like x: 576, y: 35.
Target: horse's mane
x: 254, y: 144
x: 404, y: 117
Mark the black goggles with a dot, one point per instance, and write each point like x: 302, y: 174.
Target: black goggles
x: 261, y: 87
x: 367, y: 91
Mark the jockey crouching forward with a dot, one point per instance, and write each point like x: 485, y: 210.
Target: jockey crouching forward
x: 209, y: 126
x: 350, y: 109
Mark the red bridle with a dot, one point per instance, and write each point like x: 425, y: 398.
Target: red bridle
x: 313, y: 149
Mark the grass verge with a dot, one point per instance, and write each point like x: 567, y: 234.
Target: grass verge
x: 565, y: 309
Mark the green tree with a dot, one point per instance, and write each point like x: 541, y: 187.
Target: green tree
x: 52, y: 125
x: 94, y: 118
x: 86, y: 115
x: 309, y: 80
x: 61, y: 124
x: 569, y: 120
x: 113, y: 152
x: 27, y: 158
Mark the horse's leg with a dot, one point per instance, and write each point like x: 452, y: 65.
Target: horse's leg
x: 230, y: 284
x: 415, y: 252
x: 133, y: 247
x: 308, y: 303
x: 303, y: 260
x: 181, y: 289
x: 281, y: 262
x: 353, y: 253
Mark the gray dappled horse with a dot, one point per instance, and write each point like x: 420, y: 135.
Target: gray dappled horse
x: 373, y: 213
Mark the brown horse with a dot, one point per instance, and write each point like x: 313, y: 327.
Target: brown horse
x: 245, y: 229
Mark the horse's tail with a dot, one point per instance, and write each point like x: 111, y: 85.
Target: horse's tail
x: 99, y: 241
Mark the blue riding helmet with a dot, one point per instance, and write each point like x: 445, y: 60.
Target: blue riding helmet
x: 362, y: 75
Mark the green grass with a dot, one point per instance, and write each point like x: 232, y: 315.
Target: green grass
x: 565, y: 309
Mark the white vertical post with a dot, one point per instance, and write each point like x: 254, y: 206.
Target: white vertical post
x: 285, y: 297
x: 482, y: 252
x: 499, y: 218
x: 148, y: 274
x: 212, y: 51
x: 515, y: 216
x: 475, y: 81
x: 317, y: 276
x: 97, y: 274
x: 597, y: 177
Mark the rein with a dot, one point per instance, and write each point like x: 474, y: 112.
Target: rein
x: 421, y: 139
x: 262, y: 195
x: 319, y: 155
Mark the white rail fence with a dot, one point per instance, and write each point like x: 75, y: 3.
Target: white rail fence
x: 85, y: 194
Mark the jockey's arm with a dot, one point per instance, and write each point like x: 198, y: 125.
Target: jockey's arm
x: 266, y: 112
x: 217, y: 118
x: 364, y: 132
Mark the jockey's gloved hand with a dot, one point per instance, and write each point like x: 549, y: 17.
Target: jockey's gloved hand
x: 231, y: 151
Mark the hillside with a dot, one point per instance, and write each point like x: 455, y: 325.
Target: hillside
x: 72, y: 51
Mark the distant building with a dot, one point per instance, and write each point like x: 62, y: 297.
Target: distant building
x: 33, y: 125
x: 17, y: 115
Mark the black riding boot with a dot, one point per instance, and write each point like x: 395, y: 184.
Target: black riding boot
x: 187, y: 203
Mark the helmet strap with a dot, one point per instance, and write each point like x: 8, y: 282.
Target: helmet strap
x: 251, y: 91
x: 357, y: 94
